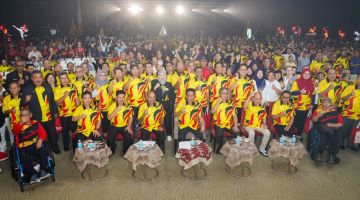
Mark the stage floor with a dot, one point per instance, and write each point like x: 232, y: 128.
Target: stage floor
x: 310, y: 182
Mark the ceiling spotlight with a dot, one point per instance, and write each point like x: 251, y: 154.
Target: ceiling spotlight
x: 213, y: 10
x: 226, y: 10
x: 194, y: 10
x: 135, y: 9
x: 159, y: 10
x: 180, y: 10
x: 117, y: 9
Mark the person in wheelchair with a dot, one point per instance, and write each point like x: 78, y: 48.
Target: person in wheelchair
x: 151, y: 117
x: 190, y: 117
x: 29, y: 138
x: 327, y: 122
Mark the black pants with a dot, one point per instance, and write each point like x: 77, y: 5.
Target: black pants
x: 135, y: 116
x: 105, y: 124
x: 280, y: 130
x: 333, y: 140
x: 183, y: 132
x: 299, y: 120
x: 160, y: 137
x: 238, y: 114
x: 30, y: 151
x: 67, y: 125
x: 219, y: 137
x: 349, y: 124
x: 111, y: 140
x: 49, y: 127
x: 169, y: 123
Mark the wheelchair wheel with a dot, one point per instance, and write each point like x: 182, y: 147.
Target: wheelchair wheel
x: 13, y: 164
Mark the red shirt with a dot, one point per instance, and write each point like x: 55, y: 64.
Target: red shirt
x: 206, y: 73
x: 19, y: 128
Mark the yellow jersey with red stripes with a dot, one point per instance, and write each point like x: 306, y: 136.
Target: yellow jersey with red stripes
x: 103, y: 98
x: 223, y: 116
x: 333, y: 94
x: 316, y: 66
x: 122, y: 117
x: 136, y: 92
x: 254, y: 116
x: 300, y: 101
x: 117, y: 85
x: 44, y: 104
x: 172, y: 78
x: 191, y: 116
x: 87, y: 125
x: 243, y: 88
x: 278, y: 108
x: 151, y: 120
x: 82, y: 86
x: 351, y: 107
x: 201, y: 91
x: 68, y: 105
x: 10, y: 102
x: 216, y: 82
x: 181, y: 89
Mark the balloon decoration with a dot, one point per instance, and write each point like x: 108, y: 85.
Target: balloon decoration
x: 296, y: 30
x: 341, y: 33
x: 22, y: 30
x: 325, y: 31
x: 280, y: 31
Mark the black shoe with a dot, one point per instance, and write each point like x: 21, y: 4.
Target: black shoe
x: 342, y: 147
x: 66, y: 149
x: 56, y: 151
x: 333, y: 160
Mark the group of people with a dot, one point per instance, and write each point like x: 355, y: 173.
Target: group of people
x: 166, y: 89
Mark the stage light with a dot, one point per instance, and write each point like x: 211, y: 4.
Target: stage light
x: 194, y: 10
x: 213, y: 10
x: 117, y: 9
x: 226, y: 10
x: 180, y: 10
x: 159, y: 10
x: 135, y: 9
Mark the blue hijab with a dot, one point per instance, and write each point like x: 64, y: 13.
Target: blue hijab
x: 260, y: 83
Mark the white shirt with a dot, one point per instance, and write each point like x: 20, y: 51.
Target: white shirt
x: 35, y: 54
x: 269, y: 94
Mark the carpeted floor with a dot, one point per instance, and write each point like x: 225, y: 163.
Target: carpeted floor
x: 310, y: 182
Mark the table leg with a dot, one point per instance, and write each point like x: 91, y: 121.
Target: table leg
x: 290, y: 169
x: 245, y: 170
x: 89, y: 170
x: 145, y: 175
x: 196, y: 169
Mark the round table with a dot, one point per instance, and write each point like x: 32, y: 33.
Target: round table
x: 239, y: 156
x: 196, y: 158
x: 291, y: 153
x: 146, y: 159
x: 92, y: 164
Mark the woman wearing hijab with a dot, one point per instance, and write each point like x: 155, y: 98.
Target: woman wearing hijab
x: 259, y: 80
x: 303, y: 93
x: 103, y: 98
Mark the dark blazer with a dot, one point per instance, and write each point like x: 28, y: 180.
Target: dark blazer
x: 34, y: 105
x: 166, y: 98
x: 14, y: 77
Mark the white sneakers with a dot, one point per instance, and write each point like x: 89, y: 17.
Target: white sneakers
x: 263, y: 152
x: 169, y: 138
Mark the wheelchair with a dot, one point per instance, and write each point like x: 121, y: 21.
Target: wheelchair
x: 17, y: 169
